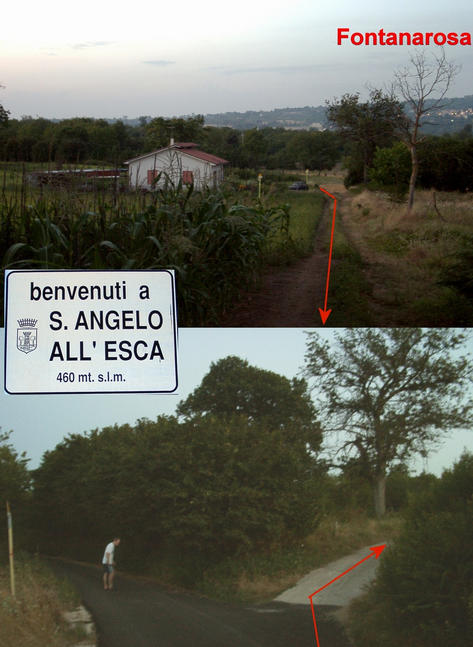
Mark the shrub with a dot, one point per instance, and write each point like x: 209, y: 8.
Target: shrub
x: 422, y: 595
x: 391, y: 169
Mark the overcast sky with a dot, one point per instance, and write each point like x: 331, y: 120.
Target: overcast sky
x: 40, y: 422
x: 111, y: 58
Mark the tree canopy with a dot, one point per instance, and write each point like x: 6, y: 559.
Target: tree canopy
x: 367, y: 125
x: 15, y: 483
x: 14, y: 475
x: 234, y: 387
x: 389, y: 394
x: 234, y: 474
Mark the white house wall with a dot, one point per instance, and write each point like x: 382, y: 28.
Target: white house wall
x: 172, y: 163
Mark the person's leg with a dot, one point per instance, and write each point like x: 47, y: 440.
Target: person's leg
x: 105, y: 580
x: 110, y: 577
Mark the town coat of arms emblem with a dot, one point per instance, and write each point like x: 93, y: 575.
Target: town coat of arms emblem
x: 27, y: 335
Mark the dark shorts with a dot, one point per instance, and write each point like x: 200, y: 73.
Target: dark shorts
x: 107, y: 568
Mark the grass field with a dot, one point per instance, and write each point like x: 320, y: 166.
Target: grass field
x: 419, y: 269
x: 305, y: 210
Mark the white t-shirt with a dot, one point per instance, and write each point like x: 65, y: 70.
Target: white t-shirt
x: 109, y: 548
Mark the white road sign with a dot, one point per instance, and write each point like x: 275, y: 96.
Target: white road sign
x: 90, y: 331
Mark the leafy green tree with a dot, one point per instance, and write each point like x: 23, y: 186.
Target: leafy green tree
x: 445, y: 163
x: 159, y: 131
x: 223, y: 142
x: 240, y: 486
x: 234, y: 387
x: 389, y: 394
x: 391, y: 168
x: 14, y: 475
x: 366, y: 125
x: 63, y: 499
x: 254, y: 148
x: 311, y: 150
x: 15, y: 482
x: 72, y: 140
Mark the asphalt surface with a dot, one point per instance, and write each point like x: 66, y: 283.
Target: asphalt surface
x: 139, y: 613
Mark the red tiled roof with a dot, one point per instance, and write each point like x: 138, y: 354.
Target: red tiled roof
x: 207, y: 157
x: 187, y: 148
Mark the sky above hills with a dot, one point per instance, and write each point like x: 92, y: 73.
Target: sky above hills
x: 114, y: 58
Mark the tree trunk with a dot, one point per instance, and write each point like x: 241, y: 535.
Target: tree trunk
x: 380, y: 495
x: 413, y: 178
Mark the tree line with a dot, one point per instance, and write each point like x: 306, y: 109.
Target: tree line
x: 363, y: 139
x: 85, y: 140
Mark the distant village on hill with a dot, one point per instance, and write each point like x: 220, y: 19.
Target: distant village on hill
x: 457, y: 114
x: 453, y: 117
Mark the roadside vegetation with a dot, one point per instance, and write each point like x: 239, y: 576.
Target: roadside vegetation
x: 34, y: 617
x: 423, y: 595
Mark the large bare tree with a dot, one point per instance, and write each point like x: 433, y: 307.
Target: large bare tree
x: 423, y: 85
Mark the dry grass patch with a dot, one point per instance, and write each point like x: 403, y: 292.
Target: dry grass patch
x: 34, y: 617
x: 407, y: 257
x: 264, y: 587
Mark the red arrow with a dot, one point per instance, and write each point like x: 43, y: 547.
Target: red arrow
x: 324, y: 314
x: 375, y: 550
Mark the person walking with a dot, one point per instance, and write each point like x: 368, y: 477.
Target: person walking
x: 109, y: 564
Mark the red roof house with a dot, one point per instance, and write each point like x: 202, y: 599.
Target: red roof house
x: 181, y: 161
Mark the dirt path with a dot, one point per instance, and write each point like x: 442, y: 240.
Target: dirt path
x: 290, y: 296
x: 142, y: 614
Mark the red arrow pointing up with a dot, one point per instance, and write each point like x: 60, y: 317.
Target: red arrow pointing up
x: 324, y: 314
x: 375, y: 551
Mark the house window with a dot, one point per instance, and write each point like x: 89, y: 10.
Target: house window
x: 187, y: 177
x: 152, y: 174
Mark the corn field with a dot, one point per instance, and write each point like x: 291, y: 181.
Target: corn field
x: 215, y: 244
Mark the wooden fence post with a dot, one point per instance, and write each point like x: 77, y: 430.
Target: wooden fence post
x: 10, y: 550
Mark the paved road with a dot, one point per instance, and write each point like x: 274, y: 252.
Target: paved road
x: 341, y: 592
x: 142, y: 614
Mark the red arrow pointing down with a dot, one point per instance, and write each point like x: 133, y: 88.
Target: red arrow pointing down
x: 324, y: 314
x: 375, y: 550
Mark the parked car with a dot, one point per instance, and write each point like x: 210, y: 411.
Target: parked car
x: 298, y: 186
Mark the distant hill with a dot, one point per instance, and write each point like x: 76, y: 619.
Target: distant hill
x: 307, y: 118
x: 455, y: 116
